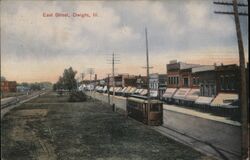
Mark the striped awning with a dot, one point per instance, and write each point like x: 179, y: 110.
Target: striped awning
x: 181, y: 93
x: 119, y: 90
x: 169, y: 92
x: 225, y: 100
x: 192, y: 95
x: 127, y: 90
x: 123, y: 90
x: 143, y: 92
x: 203, y: 100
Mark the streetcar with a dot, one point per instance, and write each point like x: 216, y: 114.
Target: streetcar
x: 138, y: 108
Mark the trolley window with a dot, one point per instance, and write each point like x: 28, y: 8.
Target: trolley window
x: 155, y: 107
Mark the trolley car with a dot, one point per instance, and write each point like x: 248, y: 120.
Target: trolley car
x: 138, y: 108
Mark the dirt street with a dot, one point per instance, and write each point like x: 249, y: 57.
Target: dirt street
x: 49, y: 127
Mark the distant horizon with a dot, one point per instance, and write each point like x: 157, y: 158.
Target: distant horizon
x: 87, y: 75
x: 38, y: 43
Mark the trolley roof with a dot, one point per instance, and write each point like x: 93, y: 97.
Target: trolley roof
x: 139, y: 100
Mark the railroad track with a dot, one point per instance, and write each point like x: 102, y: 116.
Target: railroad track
x: 9, y: 103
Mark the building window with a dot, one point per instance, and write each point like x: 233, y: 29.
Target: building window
x: 226, y: 81
x: 194, y: 81
x: 185, y: 82
x: 212, y: 90
x: 177, y: 80
x: 222, y: 83
x: 202, y: 90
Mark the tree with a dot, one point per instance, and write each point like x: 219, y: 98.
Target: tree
x: 67, y: 80
x: 25, y: 84
x: 35, y: 86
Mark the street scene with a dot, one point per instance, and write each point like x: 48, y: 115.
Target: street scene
x: 50, y: 127
x: 107, y: 80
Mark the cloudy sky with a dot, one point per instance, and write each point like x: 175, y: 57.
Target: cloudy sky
x: 38, y: 48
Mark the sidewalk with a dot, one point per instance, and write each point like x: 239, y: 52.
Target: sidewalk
x: 200, y: 114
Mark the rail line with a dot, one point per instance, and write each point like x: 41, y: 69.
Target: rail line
x: 9, y: 103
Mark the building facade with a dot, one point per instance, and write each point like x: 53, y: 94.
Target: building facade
x: 179, y: 75
x: 228, y: 78
x: 205, y: 78
x: 8, y: 86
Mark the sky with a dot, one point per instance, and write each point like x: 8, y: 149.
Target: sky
x: 35, y: 47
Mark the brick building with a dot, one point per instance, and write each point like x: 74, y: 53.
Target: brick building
x: 228, y: 78
x: 8, y: 86
x: 205, y: 78
x: 179, y: 74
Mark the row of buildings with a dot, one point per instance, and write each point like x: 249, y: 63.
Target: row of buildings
x: 187, y: 83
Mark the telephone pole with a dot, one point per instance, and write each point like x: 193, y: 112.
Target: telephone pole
x: 147, y: 59
x: 243, y: 90
x: 114, y: 60
x: 90, y: 72
x: 108, y: 90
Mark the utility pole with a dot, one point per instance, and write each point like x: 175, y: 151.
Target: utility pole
x: 90, y: 71
x: 148, y: 87
x: 108, y: 90
x: 113, y: 76
x: 243, y: 90
x: 114, y: 60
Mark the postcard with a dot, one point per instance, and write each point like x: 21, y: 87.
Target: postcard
x: 121, y: 80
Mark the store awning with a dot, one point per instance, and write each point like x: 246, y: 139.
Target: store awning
x: 225, y: 100
x: 140, y: 91
x: 127, y: 90
x: 137, y: 91
x: 144, y: 92
x: 111, y: 89
x: 132, y: 90
x: 119, y: 90
x: 203, y: 100
x: 96, y: 88
x: 181, y: 93
x: 104, y: 89
x: 169, y: 92
x: 192, y: 95
x: 100, y: 88
x: 123, y: 90
x: 153, y: 93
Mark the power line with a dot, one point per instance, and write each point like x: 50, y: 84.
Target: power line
x: 231, y: 3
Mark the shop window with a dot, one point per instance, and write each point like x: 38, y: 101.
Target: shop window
x: 185, y: 82
x: 222, y: 83
x: 194, y: 81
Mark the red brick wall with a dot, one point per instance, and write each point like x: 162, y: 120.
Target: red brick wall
x: 8, y: 86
